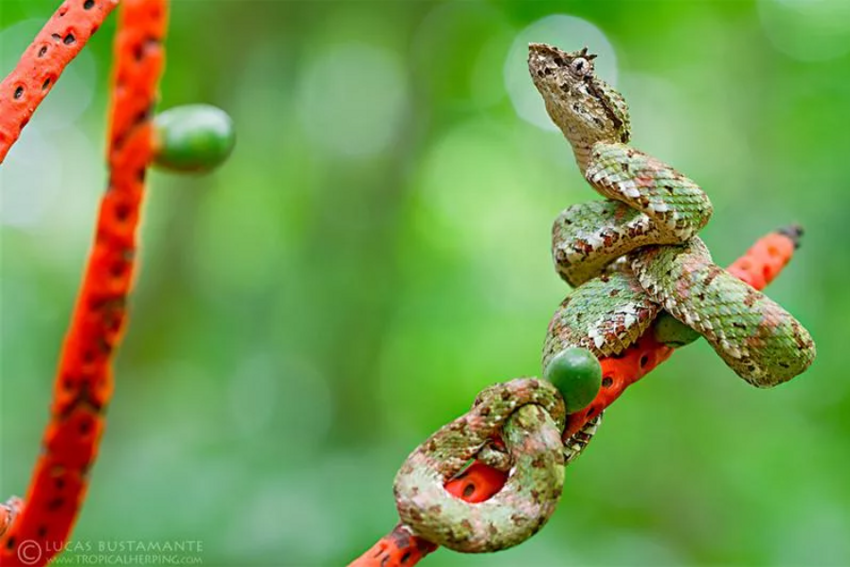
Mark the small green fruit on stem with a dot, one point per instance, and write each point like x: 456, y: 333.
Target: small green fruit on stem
x: 577, y: 375
x: 672, y: 333
x: 194, y: 138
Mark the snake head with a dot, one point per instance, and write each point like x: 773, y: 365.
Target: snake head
x: 584, y: 107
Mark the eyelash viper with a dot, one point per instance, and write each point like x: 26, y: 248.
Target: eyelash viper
x: 650, y: 219
x: 629, y: 257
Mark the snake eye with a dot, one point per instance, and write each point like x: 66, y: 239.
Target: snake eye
x: 580, y: 66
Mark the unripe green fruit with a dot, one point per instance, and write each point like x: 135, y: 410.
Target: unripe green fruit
x: 577, y: 375
x: 672, y: 333
x: 193, y: 138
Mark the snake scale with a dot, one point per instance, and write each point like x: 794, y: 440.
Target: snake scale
x: 629, y: 257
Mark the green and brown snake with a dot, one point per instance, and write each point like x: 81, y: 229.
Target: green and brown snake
x: 629, y: 257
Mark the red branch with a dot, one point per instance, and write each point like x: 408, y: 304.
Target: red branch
x: 758, y: 267
x: 84, y: 382
x: 56, y: 45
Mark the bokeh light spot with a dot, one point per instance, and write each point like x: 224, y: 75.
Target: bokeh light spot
x: 457, y: 52
x: 808, y: 30
x: 567, y: 32
x: 352, y: 99
x: 28, y: 185
x: 475, y: 183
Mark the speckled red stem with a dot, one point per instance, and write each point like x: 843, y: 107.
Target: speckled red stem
x: 84, y: 379
x: 41, y: 65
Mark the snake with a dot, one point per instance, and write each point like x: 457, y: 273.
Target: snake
x: 636, y: 253
x: 631, y: 257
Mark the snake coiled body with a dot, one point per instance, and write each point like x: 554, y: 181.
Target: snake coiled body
x: 529, y: 415
x: 629, y: 257
x: 637, y: 252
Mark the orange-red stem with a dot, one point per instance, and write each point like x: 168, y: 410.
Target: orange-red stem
x: 84, y: 383
x: 758, y: 267
x: 56, y: 45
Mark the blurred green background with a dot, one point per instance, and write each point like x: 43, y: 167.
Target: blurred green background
x: 377, y: 250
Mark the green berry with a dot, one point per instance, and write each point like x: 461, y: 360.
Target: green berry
x: 672, y: 333
x: 193, y: 138
x: 577, y: 375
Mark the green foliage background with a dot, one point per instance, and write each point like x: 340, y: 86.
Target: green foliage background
x: 377, y: 250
